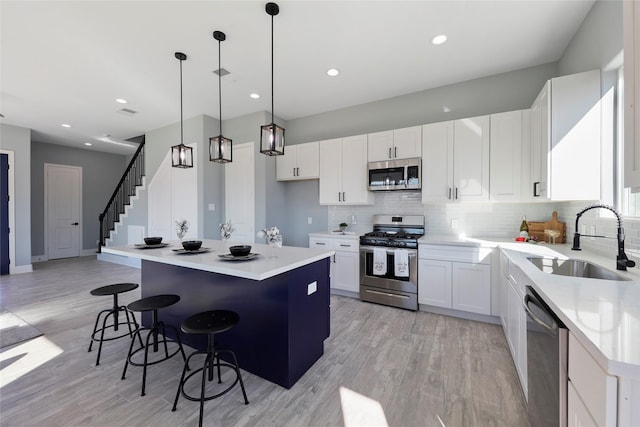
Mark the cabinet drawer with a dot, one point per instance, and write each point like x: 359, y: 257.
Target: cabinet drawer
x: 469, y: 254
x: 320, y: 242
x: 596, y: 389
x: 346, y: 245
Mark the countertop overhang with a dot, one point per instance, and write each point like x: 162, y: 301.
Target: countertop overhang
x: 270, y: 262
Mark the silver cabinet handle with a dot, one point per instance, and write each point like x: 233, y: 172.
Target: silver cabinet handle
x: 339, y: 197
x: 298, y: 171
x: 345, y: 246
x: 344, y: 198
x: 449, y: 197
x: 456, y: 193
x: 395, y: 152
x: 536, y: 189
x: 389, y: 152
x: 319, y: 243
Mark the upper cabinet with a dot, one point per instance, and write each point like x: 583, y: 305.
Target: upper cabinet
x: 300, y: 161
x: 565, y: 138
x: 455, y: 160
x: 403, y: 143
x: 343, y: 171
x: 510, y: 139
x: 631, y: 29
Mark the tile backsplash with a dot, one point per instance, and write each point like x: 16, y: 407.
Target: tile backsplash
x: 498, y: 220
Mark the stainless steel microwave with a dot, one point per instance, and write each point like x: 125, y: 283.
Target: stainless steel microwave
x: 389, y: 175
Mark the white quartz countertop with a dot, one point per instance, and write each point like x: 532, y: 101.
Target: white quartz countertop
x: 603, y: 314
x: 270, y: 261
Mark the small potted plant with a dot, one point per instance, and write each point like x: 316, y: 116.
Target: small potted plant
x: 343, y: 226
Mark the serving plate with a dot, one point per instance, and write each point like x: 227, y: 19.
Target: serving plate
x: 229, y: 257
x: 186, y: 252
x: 145, y: 246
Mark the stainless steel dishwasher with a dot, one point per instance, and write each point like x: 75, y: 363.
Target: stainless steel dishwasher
x: 547, y: 363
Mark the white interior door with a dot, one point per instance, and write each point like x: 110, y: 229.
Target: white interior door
x: 63, y: 193
x: 240, y: 193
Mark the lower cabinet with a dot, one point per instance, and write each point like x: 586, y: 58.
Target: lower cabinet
x: 455, y: 277
x: 345, y: 264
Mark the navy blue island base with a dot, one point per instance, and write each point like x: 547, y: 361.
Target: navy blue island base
x: 283, y: 321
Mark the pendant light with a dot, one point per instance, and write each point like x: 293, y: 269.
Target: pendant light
x: 181, y: 155
x: 219, y: 146
x: 272, y: 135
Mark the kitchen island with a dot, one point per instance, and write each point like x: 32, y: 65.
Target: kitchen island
x: 281, y: 295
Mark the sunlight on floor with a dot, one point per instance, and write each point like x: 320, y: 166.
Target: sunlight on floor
x: 23, y: 358
x: 360, y: 411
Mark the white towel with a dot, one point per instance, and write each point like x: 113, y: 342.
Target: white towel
x: 379, y: 261
x: 401, y: 262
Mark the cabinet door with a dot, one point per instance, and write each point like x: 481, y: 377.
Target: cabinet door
x: 437, y: 162
x: 380, y: 146
x: 407, y: 142
x: 578, y: 414
x: 346, y: 271
x: 286, y: 165
x: 308, y: 164
x: 434, y: 282
x: 506, y: 156
x: 631, y: 25
x: 471, y: 159
x: 330, y: 185
x: 354, y: 171
x: 540, y: 137
x: 471, y: 287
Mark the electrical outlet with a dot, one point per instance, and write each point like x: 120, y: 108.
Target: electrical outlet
x: 312, y: 288
x: 454, y: 223
x: 354, y: 221
x: 309, y: 220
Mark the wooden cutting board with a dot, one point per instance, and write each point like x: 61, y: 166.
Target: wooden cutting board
x: 536, y: 228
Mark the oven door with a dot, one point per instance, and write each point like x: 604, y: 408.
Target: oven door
x: 389, y: 280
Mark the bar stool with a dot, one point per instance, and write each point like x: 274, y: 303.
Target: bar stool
x: 210, y: 323
x: 114, y: 312
x: 153, y: 304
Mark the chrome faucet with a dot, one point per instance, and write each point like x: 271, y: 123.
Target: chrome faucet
x: 622, y: 261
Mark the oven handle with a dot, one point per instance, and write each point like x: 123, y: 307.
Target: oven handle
x: 412, y: 252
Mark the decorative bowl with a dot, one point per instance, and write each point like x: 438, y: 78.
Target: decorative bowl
x: 240, y: 250
x: 191, y: 245
x: 153, y: 240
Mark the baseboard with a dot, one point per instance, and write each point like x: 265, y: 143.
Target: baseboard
x: 460, y: 314
x: 39, y: 258
x: 88, y: 252
x: 122, y: 260
x: 344, y: 293
x: 19, y: 269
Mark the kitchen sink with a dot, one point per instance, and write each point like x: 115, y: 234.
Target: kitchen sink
x: 575, y: 268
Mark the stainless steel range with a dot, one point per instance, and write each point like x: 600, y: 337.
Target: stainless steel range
x: 389, y: 261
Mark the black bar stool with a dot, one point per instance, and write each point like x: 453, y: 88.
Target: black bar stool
x: 114, y: 312
x: 153, y: 303
x: 210, y: 323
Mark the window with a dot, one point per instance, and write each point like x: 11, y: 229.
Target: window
x: 629, y: 198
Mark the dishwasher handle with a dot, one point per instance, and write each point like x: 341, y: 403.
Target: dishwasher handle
x: 551, y: 329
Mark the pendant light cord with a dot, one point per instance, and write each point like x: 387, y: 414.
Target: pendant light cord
x: 181, y: 133
x: 220, y: 86
x: 272, y: 121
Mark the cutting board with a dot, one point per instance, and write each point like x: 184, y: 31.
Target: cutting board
x: 536, y: 228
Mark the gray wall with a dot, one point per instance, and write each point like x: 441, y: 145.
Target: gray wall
x: 101, y: 172
x: 18, y: 140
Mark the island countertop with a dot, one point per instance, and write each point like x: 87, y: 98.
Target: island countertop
x: 270, y: 261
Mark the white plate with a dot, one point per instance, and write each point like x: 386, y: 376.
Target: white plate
x: 229, y: 257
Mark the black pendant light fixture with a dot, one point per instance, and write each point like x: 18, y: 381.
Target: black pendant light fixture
x: 219, y: 146
x: 272, y: 135
x: 181, y: 155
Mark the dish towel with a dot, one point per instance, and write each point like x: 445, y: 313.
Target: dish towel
x: 401, y: 262
x: 379, y: 261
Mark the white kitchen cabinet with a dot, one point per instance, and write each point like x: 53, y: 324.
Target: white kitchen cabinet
x: 456, y: 160
x: 565, y: 138
x: 631, y: 35
x: 343, y: 171
x: 510, y: 131
x: 577, y: 413
x: 405, y: 143
x: 455, y: 277
x: 301, y: 161
x: 345, y: 264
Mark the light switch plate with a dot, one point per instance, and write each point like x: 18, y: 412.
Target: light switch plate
x: 212, y: 206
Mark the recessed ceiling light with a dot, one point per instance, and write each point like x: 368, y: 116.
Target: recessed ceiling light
x: 88, y: 144
x: 333, y: 72
x: 254, y: 96
x: 121, y: 101
x: 64, y: 125
x: 439, y: 39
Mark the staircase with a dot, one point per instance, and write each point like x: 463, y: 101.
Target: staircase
x: 131, y: 179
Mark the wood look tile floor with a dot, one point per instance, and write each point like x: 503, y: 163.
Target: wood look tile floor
x: 382, y: 367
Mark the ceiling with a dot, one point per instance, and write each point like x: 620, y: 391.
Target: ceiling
x: 68, y: 61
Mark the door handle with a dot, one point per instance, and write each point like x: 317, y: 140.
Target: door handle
x: 74, y: 223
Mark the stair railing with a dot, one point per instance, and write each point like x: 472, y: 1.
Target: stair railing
x: 121, y: 197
